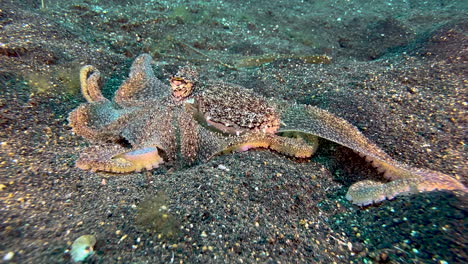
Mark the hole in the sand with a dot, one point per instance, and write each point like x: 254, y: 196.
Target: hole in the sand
x: 124, y: 142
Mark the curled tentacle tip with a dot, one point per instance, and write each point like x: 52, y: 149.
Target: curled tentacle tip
x: 90, y: 81
x: 366, y: 192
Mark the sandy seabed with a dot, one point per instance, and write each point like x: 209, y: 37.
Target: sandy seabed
x: 397, y: 72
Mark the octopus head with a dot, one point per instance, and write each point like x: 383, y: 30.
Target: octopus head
x: 183, y: 83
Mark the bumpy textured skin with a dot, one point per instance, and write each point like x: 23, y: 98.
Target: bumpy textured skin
x: 90, y: 79
x: 234, y: 106
x: 141, y: 86
x: 148, y: 123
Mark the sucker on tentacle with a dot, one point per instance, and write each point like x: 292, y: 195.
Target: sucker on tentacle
x: 117, y: 159
x: 90, y: 82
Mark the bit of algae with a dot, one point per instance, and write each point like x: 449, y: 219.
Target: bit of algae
x: 154, y: 216
x: 59, y: 80
x: 256, y: 61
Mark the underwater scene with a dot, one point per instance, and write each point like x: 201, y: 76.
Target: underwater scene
x: 234, y: 131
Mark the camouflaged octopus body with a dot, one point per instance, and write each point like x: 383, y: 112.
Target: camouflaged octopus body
x: 149, y: 123
x: 139, y: 129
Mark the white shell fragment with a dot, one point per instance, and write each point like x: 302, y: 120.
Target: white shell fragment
x: 82, y: 247
x: 8, y: 256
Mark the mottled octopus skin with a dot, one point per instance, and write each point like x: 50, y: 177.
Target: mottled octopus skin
x: 149, y: 123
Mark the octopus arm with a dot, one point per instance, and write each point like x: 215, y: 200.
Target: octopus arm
x: 91, y: 120
x: 284, y: 145
x: 141, y: 85
x: 90, y: 81
x: 403, y: 178
x: 99, y: 121
x: 117, y: 159
x: 189, y: 137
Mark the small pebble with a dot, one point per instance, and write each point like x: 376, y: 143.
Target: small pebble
x: 222, y: 167
x: 123, y: 238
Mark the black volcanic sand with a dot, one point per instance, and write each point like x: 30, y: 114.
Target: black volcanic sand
x: 398, y: 73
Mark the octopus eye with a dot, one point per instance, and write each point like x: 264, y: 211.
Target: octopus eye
x: 181, y: 88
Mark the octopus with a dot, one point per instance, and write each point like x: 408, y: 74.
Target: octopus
x: 149, y: 123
